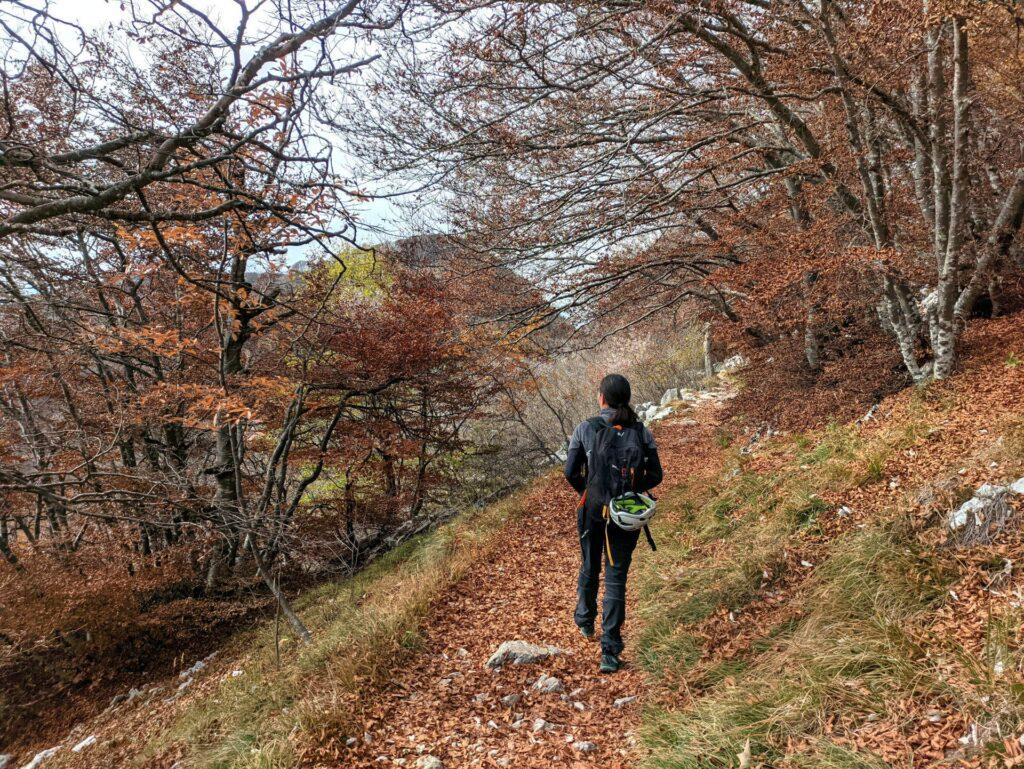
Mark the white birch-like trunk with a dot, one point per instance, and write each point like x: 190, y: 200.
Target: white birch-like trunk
x: 945, y: 336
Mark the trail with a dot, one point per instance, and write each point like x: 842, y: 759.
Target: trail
x: 444, y: 702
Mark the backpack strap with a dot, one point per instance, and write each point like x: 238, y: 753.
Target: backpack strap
x: 650, y: 538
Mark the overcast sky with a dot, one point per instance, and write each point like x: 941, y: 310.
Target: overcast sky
x: 93, y: 14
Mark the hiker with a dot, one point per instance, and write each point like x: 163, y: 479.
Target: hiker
x: 609, y: 455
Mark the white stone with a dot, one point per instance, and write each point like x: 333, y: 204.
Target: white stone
x: 40, y: 757
x: 671, y: 394
x: 990, y: 491
x: 658, y: 413
x: 584, y: 747
x: 192, y: 670
x: 5, y: 759
x: 521, y: 653
x: 540, y: 725
x: 429, y: 762
x: 734, y: 363
x: 623, y: 701
x: 1017, y: 487
x: 87, y: 742
x: 548, y: 684
x: 510, y: 699
x: 958, y: 519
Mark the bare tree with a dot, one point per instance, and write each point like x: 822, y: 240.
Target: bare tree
x: 632, y: 155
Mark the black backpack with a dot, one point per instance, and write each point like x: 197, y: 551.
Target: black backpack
x: 613, y: 466
x: 615, y: 461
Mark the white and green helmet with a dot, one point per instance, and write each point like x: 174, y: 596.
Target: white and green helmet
x: 632, y: 511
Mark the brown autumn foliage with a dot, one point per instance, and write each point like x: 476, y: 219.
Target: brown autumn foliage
x: 837, y: 187
x: 795, y: 168
x: 186, y: 409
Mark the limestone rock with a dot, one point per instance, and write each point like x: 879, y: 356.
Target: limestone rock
x: 548, y: 684
x: 39, y: 758
x: 521, y: 653
x: 86, y: 743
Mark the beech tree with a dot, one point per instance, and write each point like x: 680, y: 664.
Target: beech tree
x: 636, y: 154
x: 173, y: 386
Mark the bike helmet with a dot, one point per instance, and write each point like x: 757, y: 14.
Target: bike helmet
x: 632, y: 511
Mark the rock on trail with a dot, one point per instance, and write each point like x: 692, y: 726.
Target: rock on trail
x: 548, y: 684
x: 521, y: 653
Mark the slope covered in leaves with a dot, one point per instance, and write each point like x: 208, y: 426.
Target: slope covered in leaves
x: 806, y: 607
x: 396, y: 666
x: 810, y: 608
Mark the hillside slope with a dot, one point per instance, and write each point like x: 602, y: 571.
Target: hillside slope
x: 808, y: 606
x: 813, y: 607
x: 396, y: 672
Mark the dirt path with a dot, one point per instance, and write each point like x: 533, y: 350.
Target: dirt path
x: 444, y: 702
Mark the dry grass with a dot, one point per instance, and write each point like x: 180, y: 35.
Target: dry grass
x: 839, y: 645
x: 361, y: 627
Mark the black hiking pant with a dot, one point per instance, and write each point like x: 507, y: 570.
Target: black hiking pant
x: 594, y: 547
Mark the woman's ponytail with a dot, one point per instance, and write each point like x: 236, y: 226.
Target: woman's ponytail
x: 617, y: 393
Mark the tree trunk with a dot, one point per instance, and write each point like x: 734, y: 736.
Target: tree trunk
x: 948, y: 287
x: 709, y: 363
x: 286, y: 608
x: 812, y: 345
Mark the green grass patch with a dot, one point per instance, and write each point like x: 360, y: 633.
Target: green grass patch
x: 847, y: 654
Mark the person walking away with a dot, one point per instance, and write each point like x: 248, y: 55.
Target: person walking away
x: 609, y: 454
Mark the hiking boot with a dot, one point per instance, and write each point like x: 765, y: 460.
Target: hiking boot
x: 587, y: 631
x: 610, y: 663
